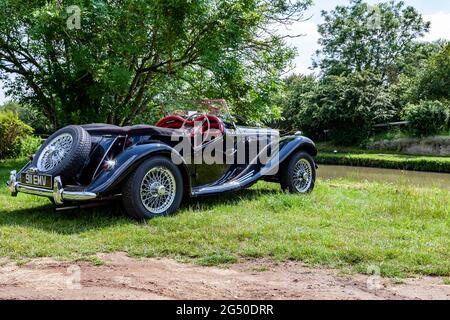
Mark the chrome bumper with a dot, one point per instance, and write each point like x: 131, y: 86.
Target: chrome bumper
x: 58, y: 193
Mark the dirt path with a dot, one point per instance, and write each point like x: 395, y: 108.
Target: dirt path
x: 122, y: 277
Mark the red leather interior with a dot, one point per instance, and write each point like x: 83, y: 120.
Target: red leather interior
x: 177, y: 122
x: 171, y: 122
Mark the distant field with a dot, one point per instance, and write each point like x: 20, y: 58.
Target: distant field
x: 352, y: 225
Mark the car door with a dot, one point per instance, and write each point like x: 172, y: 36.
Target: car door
x: 210, y: 163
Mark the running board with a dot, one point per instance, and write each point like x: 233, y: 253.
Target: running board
x: 234, y: 184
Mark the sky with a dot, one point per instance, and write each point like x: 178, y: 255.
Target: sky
x: 435, y: 11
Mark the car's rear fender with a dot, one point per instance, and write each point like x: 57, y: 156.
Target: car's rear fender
x: 127, y: 161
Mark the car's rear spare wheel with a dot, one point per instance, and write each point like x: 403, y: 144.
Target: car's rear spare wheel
x: 64, y: 153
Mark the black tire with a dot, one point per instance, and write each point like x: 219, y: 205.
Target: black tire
x: 287, y: 173
x: 131, y: 190
x: 76, y: 157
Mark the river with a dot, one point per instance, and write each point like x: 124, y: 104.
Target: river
x: 420, y: 179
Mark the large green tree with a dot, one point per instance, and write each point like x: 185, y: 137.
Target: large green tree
x: 342, y: 108
x: 380, y: 39
x: 110, y: 60
x: 433, y: 81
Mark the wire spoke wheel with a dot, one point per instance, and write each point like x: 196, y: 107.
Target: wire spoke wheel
x: 158, y: 190
x: 55, y: 152
x: 302, y: 175
x: 154, y: 189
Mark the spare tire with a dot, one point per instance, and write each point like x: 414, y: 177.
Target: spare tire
x: 64, y: 153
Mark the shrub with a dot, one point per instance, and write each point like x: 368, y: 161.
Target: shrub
x: 29, y: 115
x: 426, y: 118
x: 29, y: 145
x: 12, y: 133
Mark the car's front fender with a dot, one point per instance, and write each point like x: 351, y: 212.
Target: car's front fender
x: 287, y: 146
x: 291, y: 144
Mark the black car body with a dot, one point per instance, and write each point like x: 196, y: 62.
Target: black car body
x: 116, y: 155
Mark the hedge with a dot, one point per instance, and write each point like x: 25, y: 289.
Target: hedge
x: 387, y: 161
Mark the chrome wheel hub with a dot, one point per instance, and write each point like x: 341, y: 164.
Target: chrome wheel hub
x: 161, y: 191
x: 54, y: 152
x: 158, y: 190
x: 305, y: 176
x: 302, y: 178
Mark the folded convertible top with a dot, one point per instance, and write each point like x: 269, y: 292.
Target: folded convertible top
x: 101, y: 129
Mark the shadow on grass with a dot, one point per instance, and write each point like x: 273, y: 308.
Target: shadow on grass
x: 75, y: 221
x: 229, y: 198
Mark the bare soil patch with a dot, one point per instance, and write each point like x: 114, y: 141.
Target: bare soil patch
x: 122, y: 277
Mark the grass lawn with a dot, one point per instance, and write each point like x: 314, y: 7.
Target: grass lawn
x: 403, y: 230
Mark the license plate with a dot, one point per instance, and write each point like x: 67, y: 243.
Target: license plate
x: 37, y: 180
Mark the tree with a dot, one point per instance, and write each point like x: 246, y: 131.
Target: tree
x: 379, y: 39
x: 426, y: 80
x: 347, y: 107
x: 299, y: 94
x: 108, y: 60
x: 433, y: 82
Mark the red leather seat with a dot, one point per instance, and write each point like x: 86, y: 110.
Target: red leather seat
x: 177, y: 122
x: 171, y: 122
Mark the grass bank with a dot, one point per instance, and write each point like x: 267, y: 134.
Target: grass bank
x: 347, y: 224
x: 357, y: 157
x: 387, y: 161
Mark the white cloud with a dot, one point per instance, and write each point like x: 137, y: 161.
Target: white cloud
x: 440, y: 26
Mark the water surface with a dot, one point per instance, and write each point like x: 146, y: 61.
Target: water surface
x: 416, y: 178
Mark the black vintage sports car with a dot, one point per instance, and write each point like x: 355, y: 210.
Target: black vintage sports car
x: 153, y: 167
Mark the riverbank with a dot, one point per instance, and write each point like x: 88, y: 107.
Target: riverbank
x: 349, y: 156
x: 379, y: 175
x: 386, y: 161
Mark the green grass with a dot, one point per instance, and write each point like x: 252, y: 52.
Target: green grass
x: 345, y: 224
x: 388, y: 161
